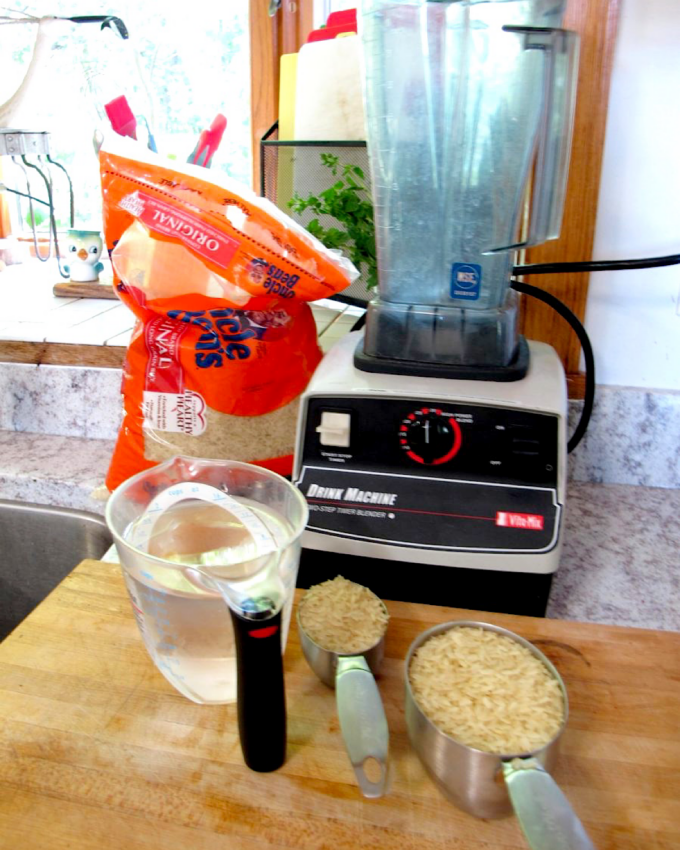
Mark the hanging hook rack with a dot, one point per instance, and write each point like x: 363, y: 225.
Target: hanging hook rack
x: 18, y: 145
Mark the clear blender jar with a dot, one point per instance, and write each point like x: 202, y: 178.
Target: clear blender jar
x: 462, y: 98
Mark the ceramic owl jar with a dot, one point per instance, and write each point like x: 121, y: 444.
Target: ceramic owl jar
x: 84, y: 255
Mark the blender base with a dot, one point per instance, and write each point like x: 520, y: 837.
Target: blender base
x: 471, y: 519
x: 514, y: 371
x: 482, y: 590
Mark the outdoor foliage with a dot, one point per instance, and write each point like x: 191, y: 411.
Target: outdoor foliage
x: 194, y: 64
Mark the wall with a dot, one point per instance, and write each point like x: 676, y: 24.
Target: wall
x: 634, y: 317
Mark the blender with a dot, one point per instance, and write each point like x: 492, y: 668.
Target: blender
x: 437, y: 437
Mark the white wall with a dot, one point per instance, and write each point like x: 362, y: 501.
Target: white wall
x: 634, y: 317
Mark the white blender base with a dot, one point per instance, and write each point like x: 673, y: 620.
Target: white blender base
x: 338, y: 387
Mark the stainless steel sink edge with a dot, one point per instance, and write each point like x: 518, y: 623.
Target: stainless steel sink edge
x: 39, y: 546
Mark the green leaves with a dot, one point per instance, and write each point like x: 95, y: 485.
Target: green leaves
x: 38, y: 217
x: 349, y: 202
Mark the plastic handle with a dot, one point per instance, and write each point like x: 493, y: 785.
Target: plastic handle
x: 260, y: 691
x: 559, y: 49
x: 544, y: 813
x: 362, y: 721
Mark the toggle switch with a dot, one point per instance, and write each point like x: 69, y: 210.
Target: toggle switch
x: 334, y: 429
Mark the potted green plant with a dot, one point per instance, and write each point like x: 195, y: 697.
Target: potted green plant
x: 349, y: 202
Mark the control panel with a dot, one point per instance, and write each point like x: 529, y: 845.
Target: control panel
x: 475, y: 442
x: 431, y: 473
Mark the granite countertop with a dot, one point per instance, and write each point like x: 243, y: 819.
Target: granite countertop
x: 52, y: 469
x: 620, y: 559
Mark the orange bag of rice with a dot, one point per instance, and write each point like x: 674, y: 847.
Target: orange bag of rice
x: 225, y: 341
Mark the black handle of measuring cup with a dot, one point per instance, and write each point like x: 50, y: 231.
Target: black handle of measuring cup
x: 260, y: 690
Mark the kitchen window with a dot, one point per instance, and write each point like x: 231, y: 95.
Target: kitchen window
x: 226, y: 58
x: 176, y: 70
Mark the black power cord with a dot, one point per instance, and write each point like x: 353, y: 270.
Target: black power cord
x: 566, y: 313
x: 570, y: 317
x: 597, y: 265
x: 573, y: 320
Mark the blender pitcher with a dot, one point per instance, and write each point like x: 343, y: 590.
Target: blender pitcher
x: 462, y: 98
x: 209, y: 551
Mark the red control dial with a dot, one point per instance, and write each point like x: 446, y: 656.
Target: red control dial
x: 429, y: 436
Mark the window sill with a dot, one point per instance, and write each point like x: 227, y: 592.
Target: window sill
x: 43, y: 329
x: 38, y: 327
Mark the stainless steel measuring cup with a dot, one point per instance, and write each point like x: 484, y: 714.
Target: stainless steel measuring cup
x: 360, y: 709
x: 489, y: 785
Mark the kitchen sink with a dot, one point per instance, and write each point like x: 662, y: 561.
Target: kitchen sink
x: 39, y: 545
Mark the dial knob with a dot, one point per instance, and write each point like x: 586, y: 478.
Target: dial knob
x: 429, y: 437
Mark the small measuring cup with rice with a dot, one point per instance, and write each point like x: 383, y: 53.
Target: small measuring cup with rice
x: 342, y: 628
x: 485, y: 711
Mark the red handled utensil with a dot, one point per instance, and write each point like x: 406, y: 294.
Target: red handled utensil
x: 208, y: 142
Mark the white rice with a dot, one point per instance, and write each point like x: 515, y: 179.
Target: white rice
x: 342, y: 616
x: 486, y: 691
x: 244, y: 438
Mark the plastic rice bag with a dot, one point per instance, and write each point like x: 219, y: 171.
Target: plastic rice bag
x: 225, y: 341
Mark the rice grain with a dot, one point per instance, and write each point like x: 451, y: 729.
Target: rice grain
x: 244, y: 438
x: 343, y: 616
x: 486, y: 691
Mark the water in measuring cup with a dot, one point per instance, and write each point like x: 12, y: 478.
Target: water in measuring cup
x: 185, y: 623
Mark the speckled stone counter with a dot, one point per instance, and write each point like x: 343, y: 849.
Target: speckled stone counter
x: 633, y: 437
x: 620, y: 560
x: 53, y: 470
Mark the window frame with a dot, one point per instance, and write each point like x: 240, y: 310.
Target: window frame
x: 272, y: 36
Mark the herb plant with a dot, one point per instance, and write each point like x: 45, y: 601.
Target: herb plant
x: 349, y: 202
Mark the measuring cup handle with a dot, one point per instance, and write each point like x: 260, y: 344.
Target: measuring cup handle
x: 544, y: 813
x: 260, y: 690
x: 362, y: 721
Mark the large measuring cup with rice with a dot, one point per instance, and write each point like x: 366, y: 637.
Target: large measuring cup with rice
x: 210, y: 551
x: 485, y: 711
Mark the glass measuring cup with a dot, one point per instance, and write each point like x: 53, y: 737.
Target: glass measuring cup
x: 198, y: 539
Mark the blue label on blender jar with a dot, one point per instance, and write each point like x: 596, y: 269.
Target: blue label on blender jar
x: 466, y: 281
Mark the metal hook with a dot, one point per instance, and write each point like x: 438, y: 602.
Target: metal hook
x: 110, y: 21
x: 53, y: 222
x: 21, y: 163
x: 72, y: 211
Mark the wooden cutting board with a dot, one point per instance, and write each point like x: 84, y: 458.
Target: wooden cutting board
x: 329, y: 103
x: 98, y: 751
